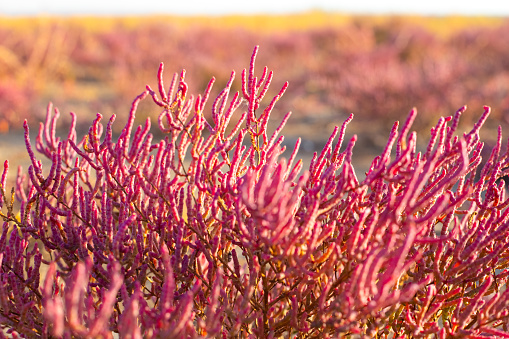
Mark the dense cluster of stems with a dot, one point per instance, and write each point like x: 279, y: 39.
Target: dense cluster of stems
x: 213, y: 232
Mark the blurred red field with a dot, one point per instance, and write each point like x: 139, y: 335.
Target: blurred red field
x: 376, y: 67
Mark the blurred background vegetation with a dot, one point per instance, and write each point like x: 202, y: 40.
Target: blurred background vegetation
x: 377, y: 67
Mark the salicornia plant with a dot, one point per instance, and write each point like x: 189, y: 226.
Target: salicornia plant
x: 212, y: 232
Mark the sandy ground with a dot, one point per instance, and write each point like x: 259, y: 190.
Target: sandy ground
x: 12, y: 148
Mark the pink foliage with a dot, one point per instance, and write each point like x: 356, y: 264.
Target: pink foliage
x: 213, y: 232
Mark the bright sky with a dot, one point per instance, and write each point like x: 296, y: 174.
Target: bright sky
x: 217, y: 7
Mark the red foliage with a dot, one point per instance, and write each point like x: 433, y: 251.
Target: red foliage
x: 212, y: 232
